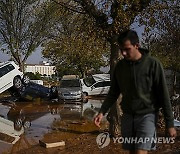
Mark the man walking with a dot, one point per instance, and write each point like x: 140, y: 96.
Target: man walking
x: 140, y: 79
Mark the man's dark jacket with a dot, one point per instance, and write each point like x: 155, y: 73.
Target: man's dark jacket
x: 143, y: 87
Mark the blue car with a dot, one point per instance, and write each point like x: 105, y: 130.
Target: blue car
x: 33, y: 90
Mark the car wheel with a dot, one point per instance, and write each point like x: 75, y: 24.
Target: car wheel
x: 53, y: 89
x: 54, y: 111
x: 85, y: 100
x: 18, y: 124
x: 26, y: 79
x: 54, y: 92
x: 84, y: 97
x: 26, y: 124
x: 17, y: 83
x: 85, y: 94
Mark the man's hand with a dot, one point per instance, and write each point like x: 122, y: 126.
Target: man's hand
x: 172, y: 132
x: 97, y: 119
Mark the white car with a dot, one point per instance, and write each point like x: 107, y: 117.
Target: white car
x: 8, y: 130
x: 11, y: 77
x: 97, y: 84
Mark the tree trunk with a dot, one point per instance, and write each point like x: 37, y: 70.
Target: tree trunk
x: 115, y: 111
x: 21, y: 65
x: 114, y: 118
x: 115, y: 54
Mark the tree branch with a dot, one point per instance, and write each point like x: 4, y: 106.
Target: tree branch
x: 91, y: 9
x: 69, y: 7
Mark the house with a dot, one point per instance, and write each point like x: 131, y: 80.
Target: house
x: 42, y: 68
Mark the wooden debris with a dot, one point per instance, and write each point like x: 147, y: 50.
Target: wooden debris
x: 51, y: 145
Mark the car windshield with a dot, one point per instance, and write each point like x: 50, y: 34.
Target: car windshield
x: 69, y: 83
x: 89, y: 81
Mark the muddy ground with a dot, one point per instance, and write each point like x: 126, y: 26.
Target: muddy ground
x: 71, y: 122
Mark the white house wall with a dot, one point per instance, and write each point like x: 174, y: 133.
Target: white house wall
x: 42, y: 69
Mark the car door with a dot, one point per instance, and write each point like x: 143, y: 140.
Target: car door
x: 97, y: 88
x: 106, y: 86
x: 100, y: 88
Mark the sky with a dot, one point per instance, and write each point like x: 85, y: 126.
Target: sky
x: 36, y: 56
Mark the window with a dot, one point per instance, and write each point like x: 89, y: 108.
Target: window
x: 4, y: 70
x: 106, y: 83
x: 97, y: 85
x: 1, y: 73
x: 10, y: 67
x: 70, y: 83
x: 102, y: 84
x: 89, y: 81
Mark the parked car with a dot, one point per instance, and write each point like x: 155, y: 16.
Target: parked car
x: 97, y: 84
x: 11, y: 78
x: 70, y: 88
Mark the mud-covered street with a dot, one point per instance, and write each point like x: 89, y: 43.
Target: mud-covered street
x: 54, y: 122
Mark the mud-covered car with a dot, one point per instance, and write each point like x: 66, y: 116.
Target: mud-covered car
x: 34, y: 90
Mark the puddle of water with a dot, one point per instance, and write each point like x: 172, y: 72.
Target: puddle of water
x: 45, y: 117
x: 41, y: 126
x: 51, y: 121
x: 4, y: 110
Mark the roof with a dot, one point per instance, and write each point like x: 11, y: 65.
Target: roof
x: 4, y: 63
x: 38, y: 65
x: 7, y: 62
